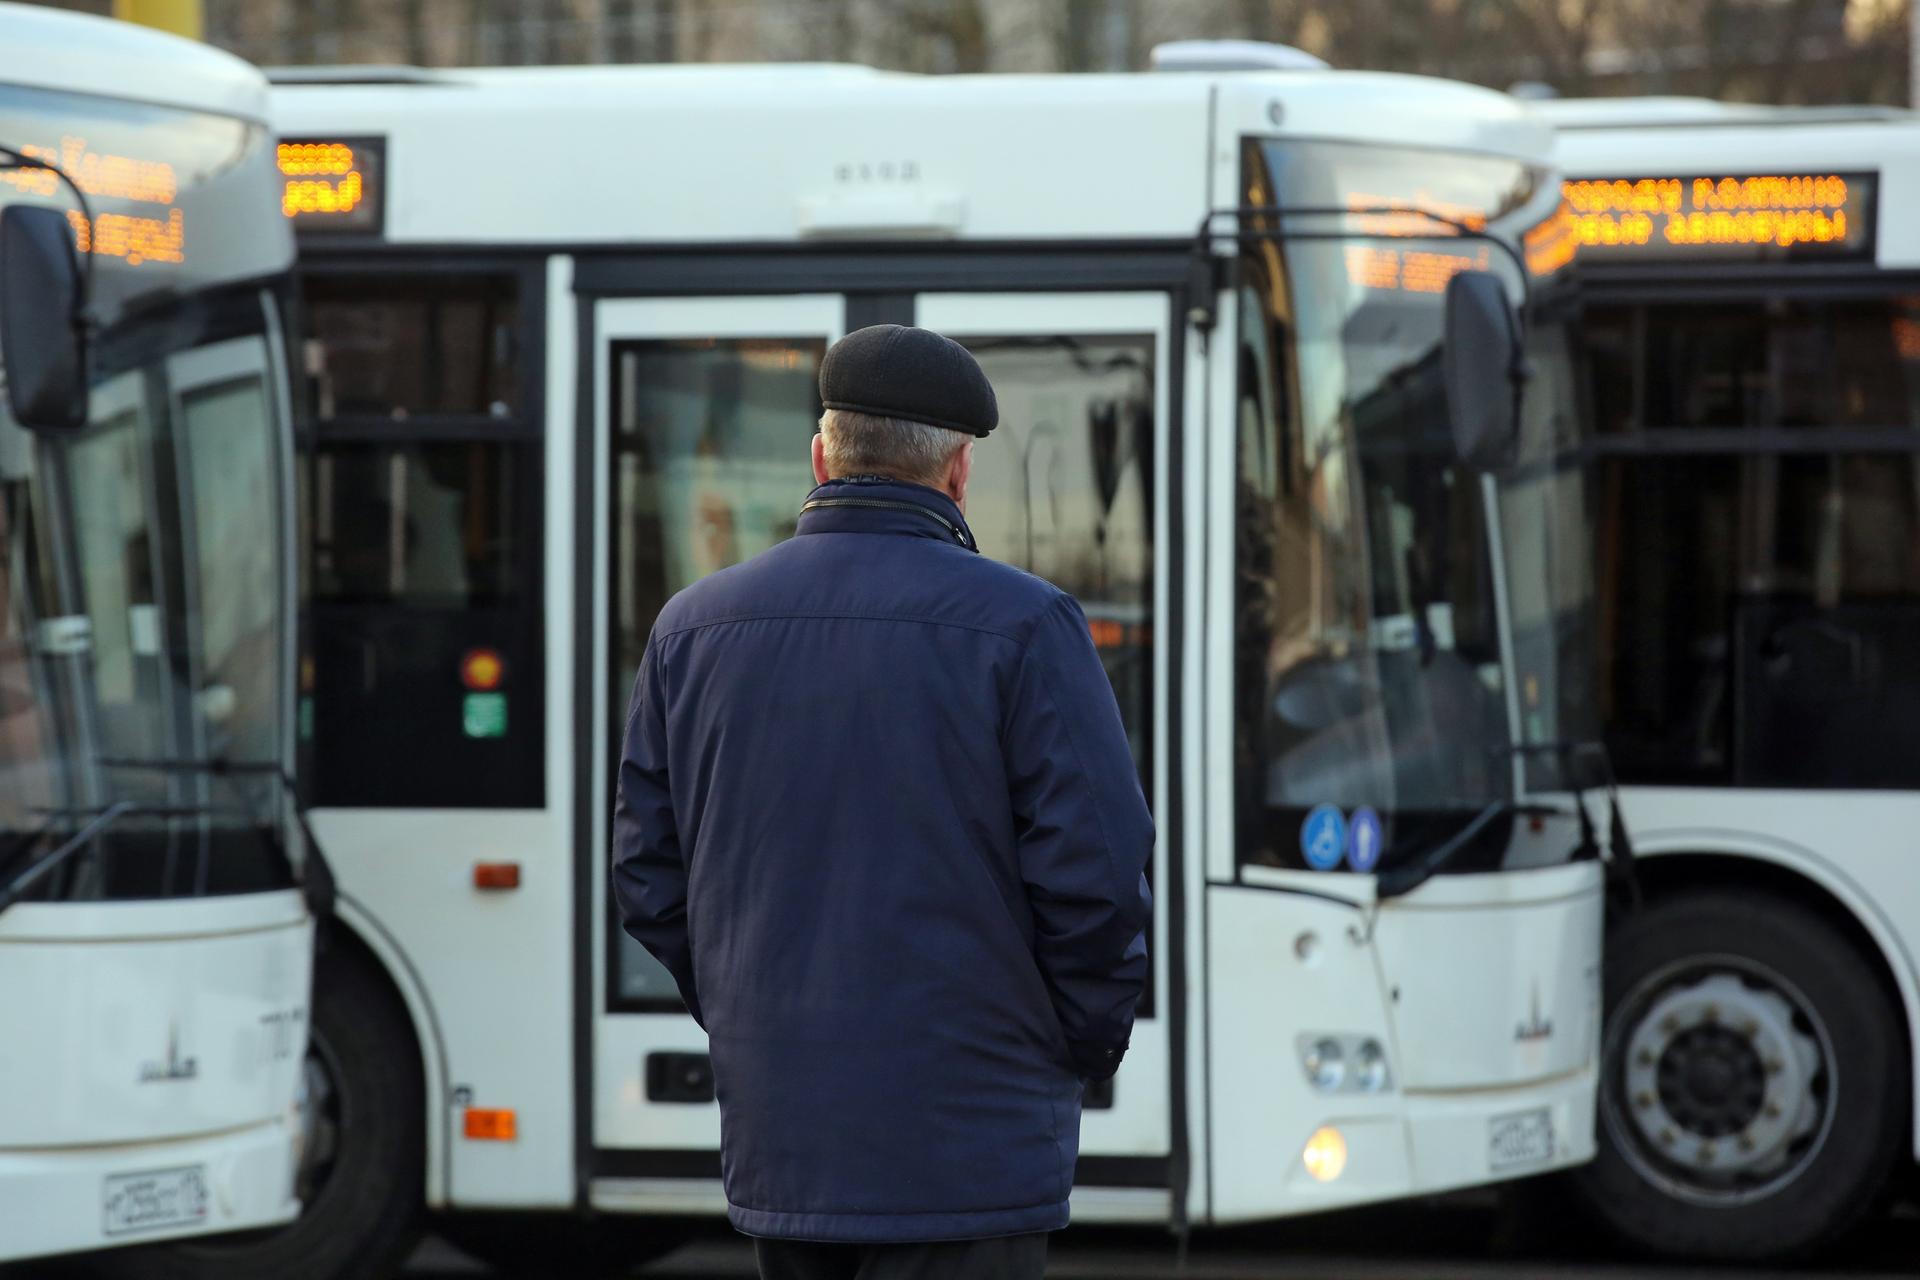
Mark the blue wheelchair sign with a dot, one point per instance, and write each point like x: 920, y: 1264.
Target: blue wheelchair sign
x: 1323, y: 837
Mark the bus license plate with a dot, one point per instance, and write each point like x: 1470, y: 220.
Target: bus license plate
x: 1521, y: 1138
x: 155, y: 1200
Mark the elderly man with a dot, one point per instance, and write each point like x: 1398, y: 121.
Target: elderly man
x: 878, y: 818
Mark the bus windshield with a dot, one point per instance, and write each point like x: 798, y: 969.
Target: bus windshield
x: 144, y: 637
x: 1402, y: 618
x: 143, y: 557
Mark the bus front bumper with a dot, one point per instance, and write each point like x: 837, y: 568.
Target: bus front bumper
x: 1441, y: 1142
x: 58, y: 1201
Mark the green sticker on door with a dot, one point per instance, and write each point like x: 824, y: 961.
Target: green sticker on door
x: 484, y: 715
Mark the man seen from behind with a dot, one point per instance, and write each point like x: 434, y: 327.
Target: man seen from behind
x: 877, y: 816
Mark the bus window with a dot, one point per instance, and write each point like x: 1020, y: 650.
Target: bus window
x: 419, y: 524
x: 1756, y: 601
x: 1758, y: 605
x: 416, y: 561
x: 1795, y: 363
x: 396, y: 347
x: 422, y: 544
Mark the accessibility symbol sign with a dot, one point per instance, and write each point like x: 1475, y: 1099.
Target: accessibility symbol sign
x: 1363, y: 840
x: 1323, y: 837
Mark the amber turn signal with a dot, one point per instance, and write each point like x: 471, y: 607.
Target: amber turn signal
x: 490, y: 1124
x: 496, y: 875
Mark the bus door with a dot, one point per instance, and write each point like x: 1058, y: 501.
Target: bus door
x: 703, y: 409
x: 1070, y: 487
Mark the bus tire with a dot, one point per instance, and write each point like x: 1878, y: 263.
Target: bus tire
x: 364, y: 1199
x: 1754, y: 1092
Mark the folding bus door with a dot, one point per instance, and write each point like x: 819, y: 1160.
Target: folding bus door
x: 1072, y: 486
x: 705, y: 409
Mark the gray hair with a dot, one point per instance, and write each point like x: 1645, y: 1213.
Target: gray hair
x: 869, y: 444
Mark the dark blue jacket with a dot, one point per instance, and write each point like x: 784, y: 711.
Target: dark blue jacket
x: 877, y: 815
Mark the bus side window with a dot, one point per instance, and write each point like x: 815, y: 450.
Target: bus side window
x: 425, y: 685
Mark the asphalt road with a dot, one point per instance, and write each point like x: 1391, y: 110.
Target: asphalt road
x: 1453, y: 1240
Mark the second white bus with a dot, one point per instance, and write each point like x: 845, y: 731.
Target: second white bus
x: 1754, y: 339
x: 564, y: 328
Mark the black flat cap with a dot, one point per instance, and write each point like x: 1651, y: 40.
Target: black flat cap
x: 915, y: 374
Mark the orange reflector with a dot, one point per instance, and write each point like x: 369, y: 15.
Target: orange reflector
x: 490, y: 1124
x: 482, y: 669
x: 496, y: 875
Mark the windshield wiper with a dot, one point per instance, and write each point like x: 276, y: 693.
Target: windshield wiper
x: 315, y: 874
x: 1410, y: 875
x: 39, y: 869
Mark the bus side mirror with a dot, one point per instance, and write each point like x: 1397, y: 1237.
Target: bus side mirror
x: 1483, y: 367
x: 43, y: 346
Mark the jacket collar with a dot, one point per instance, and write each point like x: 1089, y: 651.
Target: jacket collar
x: 878, y: 504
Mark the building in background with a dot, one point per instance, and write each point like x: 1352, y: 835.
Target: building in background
x: 1756, y: 50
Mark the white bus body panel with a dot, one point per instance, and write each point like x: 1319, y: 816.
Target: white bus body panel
x: 79, y: 53
x: 143, y: 1037
x: 496, y: 971
x: 1518, y: 999
x: 838, y: 154
x: 1464, y: 1039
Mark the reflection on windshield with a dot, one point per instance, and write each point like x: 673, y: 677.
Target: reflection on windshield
x: 1370, y: 671
x: 1545, y: 512
x: 144, y: 628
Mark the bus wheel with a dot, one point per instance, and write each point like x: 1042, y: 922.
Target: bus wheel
x: 1753, y: 1097
x: 363, y: 1170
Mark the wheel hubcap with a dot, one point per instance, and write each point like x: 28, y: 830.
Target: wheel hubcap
x: 1724, y: 1074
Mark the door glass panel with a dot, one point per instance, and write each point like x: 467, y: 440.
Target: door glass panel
x: 710, y: 466
x: 230, y: 460
x: 1064, y: 489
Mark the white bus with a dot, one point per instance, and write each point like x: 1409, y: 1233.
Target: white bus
x: 564, y: 328
x: 1753, y: 331
x: 155, y: 943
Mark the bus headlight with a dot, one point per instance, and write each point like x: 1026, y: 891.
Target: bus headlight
x: 1370, y: 1073
x: 1325, y: 1154
x: 1326, y: 1063
x: 1344, y: 1062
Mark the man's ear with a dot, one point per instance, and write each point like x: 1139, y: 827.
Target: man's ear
x: 959, y: 471
x: 819, y: 458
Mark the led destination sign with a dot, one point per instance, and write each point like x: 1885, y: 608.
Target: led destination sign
x: 333, y: 184
x: 1732, y: 216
